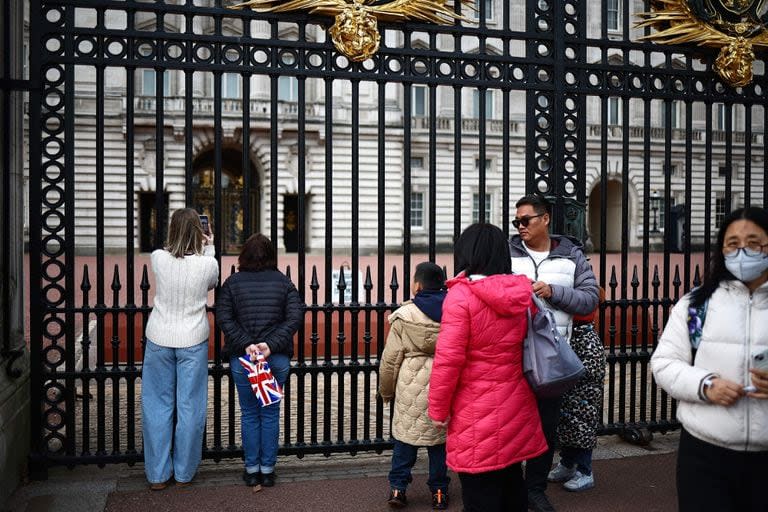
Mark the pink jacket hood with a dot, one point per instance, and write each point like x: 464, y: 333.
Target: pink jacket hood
x: 495, y: 292
x: 477, y: 381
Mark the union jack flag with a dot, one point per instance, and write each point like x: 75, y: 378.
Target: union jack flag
x: 264, y: 384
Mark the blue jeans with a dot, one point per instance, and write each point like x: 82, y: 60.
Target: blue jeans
x: 260, y: 426
x: 581, y: 457
x: 403, y: 459
x: 173, y: 380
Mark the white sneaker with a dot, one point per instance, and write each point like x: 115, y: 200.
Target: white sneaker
x: 580, y: 482
x: 561, y: 473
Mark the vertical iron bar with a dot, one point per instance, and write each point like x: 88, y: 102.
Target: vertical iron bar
x: 748, y: 155
x: 381, y: 246
x: 130, y: 243
x: 218, y: 367
x: 328, y: 306
x: 688, y: 195
x: 407, y: 176
x: 355, y: 306
x: 432, y: 192
x: 37, y: 459
x: 457, y: 190
x: 481, y: 181
x: 302, y: 250
x: 69, y: 239
x: 646, y: 252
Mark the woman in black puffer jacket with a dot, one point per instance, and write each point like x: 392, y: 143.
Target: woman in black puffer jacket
x: 259, y: 310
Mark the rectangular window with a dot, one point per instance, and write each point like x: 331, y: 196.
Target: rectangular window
x: 488, y: 9
x: 230, y: 86
x: 417, y: 209
x: 674, y: 108
x: 488, y: 163
x: 662, y: 216
x: 25, y: 63
x: 417, y: 162
x: 476, y: 208
x: 719, y: 211
x: 488, y: 104
x: 148, y: 82
x: 672, y: 170
x: 613, y: 15
x: 419, y: 100
x: 614, y: 111
x: 287, y: 88
x: 720, y: 117
x: 723, y: 171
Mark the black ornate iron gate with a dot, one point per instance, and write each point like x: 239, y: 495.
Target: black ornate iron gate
x: 380, y: 164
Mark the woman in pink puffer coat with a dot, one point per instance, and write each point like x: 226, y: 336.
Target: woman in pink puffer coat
x: 477, y: 388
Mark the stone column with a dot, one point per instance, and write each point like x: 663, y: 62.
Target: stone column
x: 14, y: 355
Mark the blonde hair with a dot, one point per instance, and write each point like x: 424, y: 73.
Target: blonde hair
x: 185, y: 234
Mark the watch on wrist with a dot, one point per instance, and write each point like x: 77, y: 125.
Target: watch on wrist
x: 705, y: 385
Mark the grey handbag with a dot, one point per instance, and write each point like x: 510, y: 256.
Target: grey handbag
x: 549, y: 363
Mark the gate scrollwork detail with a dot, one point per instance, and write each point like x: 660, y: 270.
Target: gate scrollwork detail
x: 355, y: 32
x: 734, y: 26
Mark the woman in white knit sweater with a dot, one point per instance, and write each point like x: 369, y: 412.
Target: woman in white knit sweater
x: 175, y: 370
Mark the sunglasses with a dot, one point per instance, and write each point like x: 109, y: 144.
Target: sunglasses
x: 524, y: 221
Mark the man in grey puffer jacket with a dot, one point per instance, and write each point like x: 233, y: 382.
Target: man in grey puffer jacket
x: 563, y: 277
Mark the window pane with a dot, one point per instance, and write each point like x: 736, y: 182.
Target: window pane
x: 167, y: 83
x: 720, y: 119
x: 488, y: 104
x: 488, y: 9
x: 612, y: 20
x: 614, y: 110
x: 719, y: 211
x: 148, y: 82
x: 419, y: 101
x: 417, y: 209
x: 287, y: 87
x: 476, y: 208
x: 230, y: 86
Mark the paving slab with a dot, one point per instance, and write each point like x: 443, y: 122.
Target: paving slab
x: 628, y: 478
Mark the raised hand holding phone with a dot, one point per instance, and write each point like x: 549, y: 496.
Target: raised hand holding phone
x: 206, y: 225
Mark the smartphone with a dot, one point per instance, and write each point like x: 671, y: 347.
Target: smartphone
x: 206, y: 225
x: 760, y: 360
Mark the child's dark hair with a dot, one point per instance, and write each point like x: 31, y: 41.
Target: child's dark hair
x: 429, y: 275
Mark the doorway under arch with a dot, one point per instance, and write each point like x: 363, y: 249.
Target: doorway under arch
x: 612, y: 212
x: 233, y: 213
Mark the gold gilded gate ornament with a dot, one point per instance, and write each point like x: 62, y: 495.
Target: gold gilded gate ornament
x: 734, y: 26
x: 355, y: 32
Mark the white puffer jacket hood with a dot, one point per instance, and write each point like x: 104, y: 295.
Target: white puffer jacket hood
x: 735, y: 328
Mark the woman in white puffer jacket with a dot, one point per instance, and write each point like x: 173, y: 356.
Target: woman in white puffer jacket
x: 723, y: 455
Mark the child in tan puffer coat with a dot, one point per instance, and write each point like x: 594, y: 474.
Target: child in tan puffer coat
x: 404, y: 371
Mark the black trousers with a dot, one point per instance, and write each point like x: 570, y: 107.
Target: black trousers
x: 711, y: 478
x: 495, y: 491
x: 537, y: 469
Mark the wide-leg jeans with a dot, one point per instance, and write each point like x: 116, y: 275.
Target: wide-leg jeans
x: 260, y: 426
x: 173, y: 379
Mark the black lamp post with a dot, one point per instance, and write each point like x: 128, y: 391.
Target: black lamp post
x: 655, y: 199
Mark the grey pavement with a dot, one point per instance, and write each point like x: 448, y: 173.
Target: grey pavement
x: 628, y: 478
